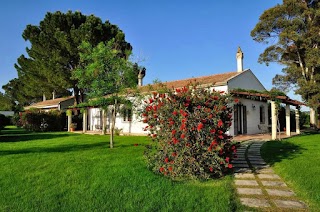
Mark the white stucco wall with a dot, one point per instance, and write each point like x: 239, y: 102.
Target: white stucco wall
x: 253, y: 115
x: 246, y: 80
x: 7, y: 113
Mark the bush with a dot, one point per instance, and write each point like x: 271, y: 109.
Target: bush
x: 189, y: 128
x: 36, y: 120
x: 4, y: 121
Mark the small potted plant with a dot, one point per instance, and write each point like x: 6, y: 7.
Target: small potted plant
x: 73, y: 127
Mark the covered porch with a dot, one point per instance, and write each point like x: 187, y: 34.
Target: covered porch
x: 274, y: 101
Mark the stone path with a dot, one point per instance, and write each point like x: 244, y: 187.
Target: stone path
x: 258, y: 186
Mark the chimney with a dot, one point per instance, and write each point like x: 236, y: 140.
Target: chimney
x: 239, y: 60
x: 44, y: 97
x: 53, y: 95
x: 141, y: 75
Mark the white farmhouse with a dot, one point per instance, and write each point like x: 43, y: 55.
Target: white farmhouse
x: 250, y: 116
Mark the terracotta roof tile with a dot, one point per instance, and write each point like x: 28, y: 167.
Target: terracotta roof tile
x: 216, y: 79
x: 50, y: 102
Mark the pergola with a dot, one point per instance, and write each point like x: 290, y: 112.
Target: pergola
x: 274, y: 100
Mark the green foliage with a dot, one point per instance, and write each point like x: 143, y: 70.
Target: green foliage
x: 35, y: 120
x: 291, y: 31
x: 188, y: 127
x: 6, y: 103
x: 104, y: 71
x: 4, y: 121
x: 54, y: 54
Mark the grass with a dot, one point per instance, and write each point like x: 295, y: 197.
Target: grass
x: 296, y: 160
x: 75, y: 172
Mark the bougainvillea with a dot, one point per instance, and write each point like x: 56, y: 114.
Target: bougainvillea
x: 189, y: 128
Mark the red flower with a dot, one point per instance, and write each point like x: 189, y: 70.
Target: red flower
x: 171, y: 123
x: 170, y: 168
x: 154, y: 135
x: 212, y: 131
x: 210, y: 116
x: 174, y: 113
x: 227, y: 159
x: 135, y: 144
x: 174, y: 132
x: 210, y: 149
x: 230, y: 166
x: 213, y: 143
x: 145, y: 120
x: 199, y: 106
x: 200, y: 126
x: 150, y: 100
x: 220, y: 136
x: 183, y: 126
x: 220, y: 123
x: 175, y: 141
x: 144, y: 114
x: 174, y: 154
x: 161, y: 169
x: 215, y: 97
x: 184, y: 120
x: 211, y: 169
x: 182, y: 136
x: 236, y: 100
x: 178, y: 90
x: 166, y: 160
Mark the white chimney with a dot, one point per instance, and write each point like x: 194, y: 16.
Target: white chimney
x: 53, y: 95
x: 239, y: 57
x: 44, y: 97
x: 142, y: 73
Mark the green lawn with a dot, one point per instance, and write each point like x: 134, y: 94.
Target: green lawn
x: 297, y: 161
x: 74, y: 172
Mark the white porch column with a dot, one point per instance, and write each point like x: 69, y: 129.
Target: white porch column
x: 288, y: 132
x: 297, y: 120
x: 103, y: 121
x: 69, y: 121
x: 84, y: 121
x: 273, y: 120
x: 312, y: 117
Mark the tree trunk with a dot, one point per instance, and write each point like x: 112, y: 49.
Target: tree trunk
x: 317, y: 124
x: 114, y: 112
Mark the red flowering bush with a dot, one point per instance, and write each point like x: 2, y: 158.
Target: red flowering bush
x: 188, y: 127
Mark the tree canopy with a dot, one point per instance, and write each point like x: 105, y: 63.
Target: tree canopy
x: 291, y: 31
x: 6, y: 103
x: 53, y: 54
x: 103, y: 72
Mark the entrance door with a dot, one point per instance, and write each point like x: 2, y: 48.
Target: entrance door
x: 240, y: 119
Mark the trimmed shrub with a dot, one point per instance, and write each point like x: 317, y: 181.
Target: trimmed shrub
x: 4, y: 121
x: 188, y: 127
x: 36, y: 120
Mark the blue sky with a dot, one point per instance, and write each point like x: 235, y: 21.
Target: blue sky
x: 172, y: 39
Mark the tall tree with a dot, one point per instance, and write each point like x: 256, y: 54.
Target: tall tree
x: 54, y: 54
x: 291, y: 31
x: 103, y: 73
x: 6, y: 103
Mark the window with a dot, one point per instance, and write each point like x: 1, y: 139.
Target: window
x: 127, y: 115
x: 262, y: 114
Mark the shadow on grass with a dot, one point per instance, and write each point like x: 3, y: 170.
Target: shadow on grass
x: 66, y: 148
x: 275, y: 151
x: 31, y: 136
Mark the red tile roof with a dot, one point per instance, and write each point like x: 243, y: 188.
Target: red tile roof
x: 49, y: 103
x: 216, y: 79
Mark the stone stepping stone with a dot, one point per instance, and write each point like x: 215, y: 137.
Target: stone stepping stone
x: 240, y: 158
x: 244, y: 176
x: 255, y: 203
x: 265, y: 171
x: 281, y: 193
x: 242, y: 170
x: 254, y: 157
x: 257, y: 166
x: 249, y: 191
x: 257, y: 161
x: 273, y: 183
x: 268, y: 176
x: 241, y: 165
x: 246, y: 183
x: 289, y: 204
x: 238, y: 161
